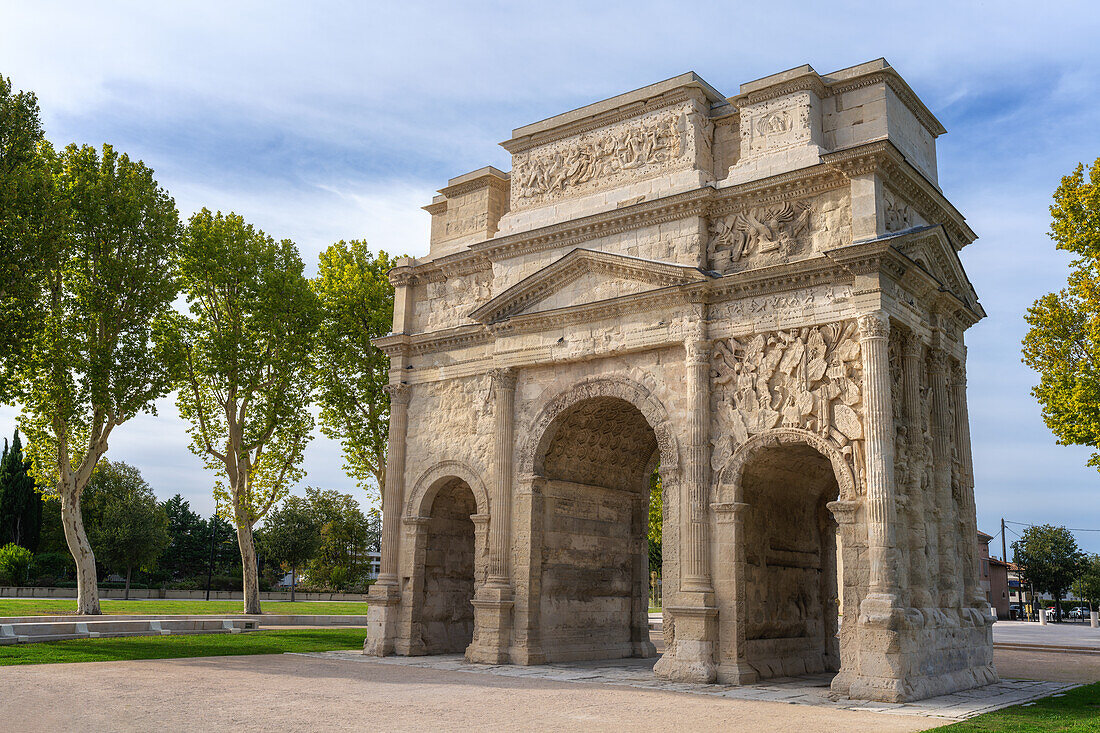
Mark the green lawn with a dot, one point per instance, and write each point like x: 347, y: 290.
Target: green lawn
x: 1077, y: 711
x: 171, y: 647
x: 63, y: 607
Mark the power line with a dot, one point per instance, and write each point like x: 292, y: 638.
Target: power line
x: 1071, y: 529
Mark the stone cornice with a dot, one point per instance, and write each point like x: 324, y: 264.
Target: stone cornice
x: 502, y: 184
x: 901, y: 89
x: 808, y: 82
x: 883, y: 158
x: 603, y: 119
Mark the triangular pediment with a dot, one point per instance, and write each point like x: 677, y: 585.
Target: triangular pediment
x: 585, y: 276
x: 930, y: 249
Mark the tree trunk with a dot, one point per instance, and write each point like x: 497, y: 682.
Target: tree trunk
x: 127, y: 596
x: 248, y: 567
x: 293, y: 582
x: 87, y: 591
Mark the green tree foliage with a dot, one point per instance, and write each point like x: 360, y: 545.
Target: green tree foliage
x: 1087, y: 585
x: 105, y: 349
x: 291, y: 536
x: 347, y: 535
x: 132, y: 530
x: 1049, y: 559
x: 1063, y: 343
x: 357, y: 301
x: 656, y: 515
x: 20, y: 502
x: 187, y: 553
x: 15, y: 561
x: 248, y: 380
x: 27, y: 228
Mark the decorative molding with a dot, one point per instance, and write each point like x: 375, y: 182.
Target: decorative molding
x: 437, y: 476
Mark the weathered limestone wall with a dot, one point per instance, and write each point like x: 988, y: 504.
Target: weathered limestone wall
x: 589, y: 570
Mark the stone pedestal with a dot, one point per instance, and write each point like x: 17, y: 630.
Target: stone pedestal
x: 492, y: 627
x: 1094, y: 619
x: 382, y: 608
x: 691, y: 657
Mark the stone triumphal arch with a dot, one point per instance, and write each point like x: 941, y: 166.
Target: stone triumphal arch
x: 760, y: 298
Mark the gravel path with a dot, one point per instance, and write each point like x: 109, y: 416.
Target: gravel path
x: 290, y: 692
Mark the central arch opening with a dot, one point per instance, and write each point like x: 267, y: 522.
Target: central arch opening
x: 597, y: 458
x: 791, y: 574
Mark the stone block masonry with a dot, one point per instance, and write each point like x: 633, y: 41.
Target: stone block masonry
x: 758, y: 298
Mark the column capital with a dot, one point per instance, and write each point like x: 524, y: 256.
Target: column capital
x: 698, y: 349
x: 958, y: 374
x: 874, y: 325
x: 398, y: 392
x: 503, y: 378
x: 912, y: 345
x: 937, y: 361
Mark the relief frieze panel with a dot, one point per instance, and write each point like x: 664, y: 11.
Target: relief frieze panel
x: 602, y: 158
x: 809, y: 378
x: 774, y: 233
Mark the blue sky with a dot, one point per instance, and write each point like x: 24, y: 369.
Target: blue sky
x: 330, y: 121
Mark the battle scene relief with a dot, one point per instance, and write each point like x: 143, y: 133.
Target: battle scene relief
x: 809, y: 378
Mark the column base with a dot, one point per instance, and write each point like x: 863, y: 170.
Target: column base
x: 737, y: 673
x: 691, y: 655
x: 382, y: 605
x: 492, y: 626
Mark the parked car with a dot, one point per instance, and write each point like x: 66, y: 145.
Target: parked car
x: 1078, y: 612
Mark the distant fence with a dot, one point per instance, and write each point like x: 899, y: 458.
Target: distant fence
x: 194, y: 595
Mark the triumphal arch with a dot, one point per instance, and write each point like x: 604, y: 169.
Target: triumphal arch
x: 760, y: 299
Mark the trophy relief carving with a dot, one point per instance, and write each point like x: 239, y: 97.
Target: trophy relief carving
x: 759, y: 235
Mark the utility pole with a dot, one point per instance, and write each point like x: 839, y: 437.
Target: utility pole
x: 1004, y: 545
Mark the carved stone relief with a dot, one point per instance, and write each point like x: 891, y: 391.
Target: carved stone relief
x: 898, y: 215
x: 764, y: 234
x: 808, y: 378
x: 599, y: 158
x: 782, y: 305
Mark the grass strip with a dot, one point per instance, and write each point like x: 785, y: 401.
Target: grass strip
x: 67, y: 606
x: 1075, y: 711
x: 175, y: 647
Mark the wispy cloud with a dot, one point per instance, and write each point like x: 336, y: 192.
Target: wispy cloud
x: 332, y: 121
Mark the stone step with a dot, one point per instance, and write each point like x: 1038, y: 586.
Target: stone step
x: 28, y: 632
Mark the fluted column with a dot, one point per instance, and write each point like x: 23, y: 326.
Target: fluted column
x: 942, y: 429
x: 697, y: 469
x: 874, y: 330
x: 968, y: 520
x: 392, y: 496
x: 504, y: 399
x: 919, y: 579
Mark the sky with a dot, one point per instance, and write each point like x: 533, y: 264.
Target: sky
x: 326, y: 121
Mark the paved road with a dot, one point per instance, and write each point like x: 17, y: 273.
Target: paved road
x: 289, y: 692
x: 1060, y: 634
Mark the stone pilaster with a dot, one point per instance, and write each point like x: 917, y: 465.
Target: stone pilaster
x: 385, y: 594
x: 881, y: 663
x: 696, y: 565
x: 942, y: 429
x: 919, y: 579
x: 874, y: 333
x: 733, y: 668
x: 691, y: 657
x: 493, y: 601
x: 968, y: 520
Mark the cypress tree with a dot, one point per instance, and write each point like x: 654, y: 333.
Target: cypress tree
x: 20, y: 504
